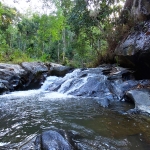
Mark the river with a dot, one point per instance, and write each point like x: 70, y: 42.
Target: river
x: 24, y: 114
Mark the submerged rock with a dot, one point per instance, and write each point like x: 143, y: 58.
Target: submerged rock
x: 53, y: 139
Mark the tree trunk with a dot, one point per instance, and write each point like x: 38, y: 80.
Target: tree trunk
x: 58, y: 53
x: 64, y: 43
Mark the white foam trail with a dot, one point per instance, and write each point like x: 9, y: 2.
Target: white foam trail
x: 21, y: 93
x: 54, y: 95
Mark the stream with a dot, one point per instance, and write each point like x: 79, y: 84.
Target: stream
x: 25, y: 114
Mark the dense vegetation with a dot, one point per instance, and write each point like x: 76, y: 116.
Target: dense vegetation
x: 79, y: 33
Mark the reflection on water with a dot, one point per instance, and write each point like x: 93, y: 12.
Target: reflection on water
x: 23, y: 114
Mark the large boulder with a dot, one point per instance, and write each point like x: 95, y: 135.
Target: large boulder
x: 134, y: 51
x: 10, y: 76
x: 18, y: 77
x: 53, y: 140
x: 59, y: 70
x: 141, y: 98
x: 34, y: 67
x: 36, y: 73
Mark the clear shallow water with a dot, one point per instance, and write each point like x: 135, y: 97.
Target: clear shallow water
x: 27, y: 113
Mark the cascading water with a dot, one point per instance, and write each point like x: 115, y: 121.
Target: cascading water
x: 73, y: 103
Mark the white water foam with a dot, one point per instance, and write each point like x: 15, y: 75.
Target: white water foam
x: 72, y: 74
x: 54, y: 95
x: 48, y: 81
x: 3, y: 143
x: 40, y: 94
x: 21, y: 93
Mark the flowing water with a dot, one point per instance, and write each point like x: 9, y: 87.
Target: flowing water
x: 24, y: 114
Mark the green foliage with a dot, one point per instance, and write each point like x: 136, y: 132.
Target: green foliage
x: 74, y: 34
x: 14, y: 56
x: 45, y: 58
x: 17, y: 57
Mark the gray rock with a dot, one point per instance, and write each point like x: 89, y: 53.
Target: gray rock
x: 16, y: 77
x: 7, y: 70
x: 10, y: 76
x: 134, y: 51
x: 59, y: 70
x: 88, y: 83
x: 141, y: 98
x: 52, y: 140
x: 34, y: 67
x: 92, y: 83
x: 3, y: 87
x: 136, y: 42
x: 36, y: 74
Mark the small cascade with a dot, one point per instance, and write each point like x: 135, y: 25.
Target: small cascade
x: 104, y: 84
x: 49, y: 80
x: 82, y: 82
